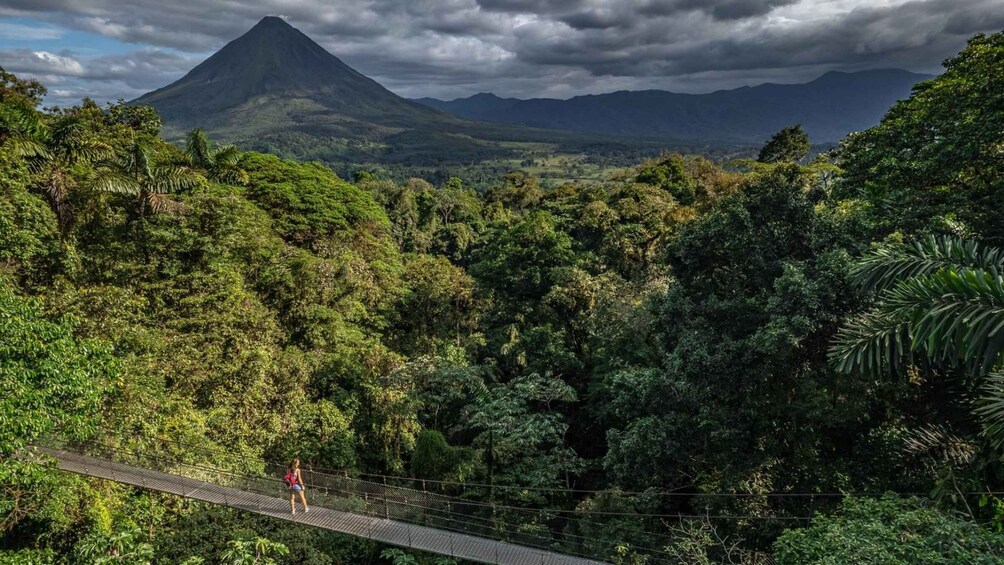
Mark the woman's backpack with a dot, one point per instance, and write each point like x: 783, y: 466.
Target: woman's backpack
x: 290, y: 479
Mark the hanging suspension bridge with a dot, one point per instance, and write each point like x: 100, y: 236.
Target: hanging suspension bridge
x: 438, y: 540
x: 413, y: 514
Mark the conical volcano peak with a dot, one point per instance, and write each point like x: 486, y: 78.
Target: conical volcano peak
x: 275, y: 25
x: 273, y: 21
x: 274, y: 73
x: 276, y: 61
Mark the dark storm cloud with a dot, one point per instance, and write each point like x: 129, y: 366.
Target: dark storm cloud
x: 916, y: 34
x: 738, y: 9
x: 530, y: 6
x: 582, y: 15
x: 451, y: 48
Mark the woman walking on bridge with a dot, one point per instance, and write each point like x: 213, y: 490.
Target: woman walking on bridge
x: 295, y: 483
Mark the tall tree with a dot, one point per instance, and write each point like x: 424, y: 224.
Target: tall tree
x: 935, y: 163
x: 68, y: 144
x: 21, y: 125
x: 789, y: 145
x: 221, y: 164
x: 137, y: 174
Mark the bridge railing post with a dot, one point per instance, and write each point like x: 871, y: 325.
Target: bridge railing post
x: 386, y: 500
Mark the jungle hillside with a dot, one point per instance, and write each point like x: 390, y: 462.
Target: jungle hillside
x: 793, y: 358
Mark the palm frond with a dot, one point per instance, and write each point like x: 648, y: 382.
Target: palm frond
x: 114, y: 180
x: 199, y: 148
x: 940, y: 443
x: 19, y: 118
x: 168, y: 179
x: 66, y: 131
x: 230, y: 175
x: 990, y: 408
x: 962, y: 319
x: 136, y: 162
x: 69, y: 141
x: 91, y: 150
x: 227, y: 155
x: 881, y: 269
x: 949, y: 318
x: 26, y: 147
x: 942, y: 300
x: 875, y: 342
x: 163, y: 204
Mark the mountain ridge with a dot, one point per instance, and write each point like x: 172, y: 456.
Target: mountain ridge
x: 274, y: 89
x: 829, y: 107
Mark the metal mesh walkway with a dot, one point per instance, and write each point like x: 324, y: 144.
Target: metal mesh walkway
x: 433, y: 540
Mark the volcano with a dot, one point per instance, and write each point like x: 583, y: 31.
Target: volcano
x: 274, y: 89
x: 275, y: 68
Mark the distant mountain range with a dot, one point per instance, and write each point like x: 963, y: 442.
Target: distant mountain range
x: 274, y: 89
x: 828, y: 108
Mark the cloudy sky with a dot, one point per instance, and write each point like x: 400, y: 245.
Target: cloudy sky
x: 109, y: 49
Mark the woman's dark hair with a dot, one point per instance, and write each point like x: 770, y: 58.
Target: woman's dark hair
x: 294, y: 465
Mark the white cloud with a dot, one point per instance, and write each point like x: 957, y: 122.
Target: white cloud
x: 40, y: 63
x: 71, y: 76
x: 58, y: 64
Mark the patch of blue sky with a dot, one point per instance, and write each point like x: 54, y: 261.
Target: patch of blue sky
x: 28, y: 33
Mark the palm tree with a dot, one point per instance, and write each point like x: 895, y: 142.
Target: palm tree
x: 940, y: 304
x: 221, y: 164
x: 66, y: 145
x: 136, y: 174
x: 22, y: 129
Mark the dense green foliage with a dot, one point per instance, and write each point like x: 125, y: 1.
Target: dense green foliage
x: 934, y: 163
x: 890, y: 531
x: 787, y: 146
x: 673, y: 342
x: 50, y: 383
